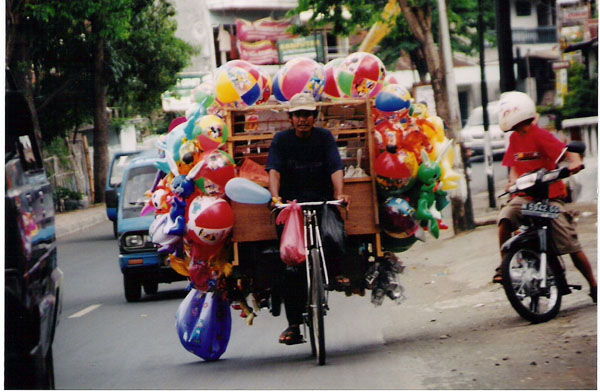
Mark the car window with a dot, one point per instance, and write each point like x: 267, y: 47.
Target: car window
x: 116, y: 175
x: 476, y: 117
x: 139, y: 181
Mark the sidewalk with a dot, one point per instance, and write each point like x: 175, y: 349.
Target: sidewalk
x: 71, y: 222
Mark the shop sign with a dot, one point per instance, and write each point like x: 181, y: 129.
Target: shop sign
x: 310, y: 46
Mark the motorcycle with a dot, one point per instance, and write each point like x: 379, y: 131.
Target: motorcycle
x: 533, y: 272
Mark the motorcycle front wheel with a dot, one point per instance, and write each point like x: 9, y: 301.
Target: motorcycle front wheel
x: 522, y: 285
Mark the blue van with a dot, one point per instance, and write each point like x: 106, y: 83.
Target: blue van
x: 140, y: 262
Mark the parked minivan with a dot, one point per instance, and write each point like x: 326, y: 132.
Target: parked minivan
x: 141, y: 264
x: 32, y: 278
x: 473, y: 134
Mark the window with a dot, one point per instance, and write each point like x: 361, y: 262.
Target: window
x: 523, y: 8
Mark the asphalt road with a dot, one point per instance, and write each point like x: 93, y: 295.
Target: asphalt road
x: 455, y: 331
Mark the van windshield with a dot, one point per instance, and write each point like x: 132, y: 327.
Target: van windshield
x: 139, y: 181
x: 476, y: 117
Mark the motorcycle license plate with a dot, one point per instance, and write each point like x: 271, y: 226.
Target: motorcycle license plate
x: 541, y: 209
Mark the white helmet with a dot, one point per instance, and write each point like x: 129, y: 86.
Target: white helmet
x: 514, y: 107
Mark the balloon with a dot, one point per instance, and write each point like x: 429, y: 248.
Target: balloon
x: 189, y: 152
x: 392, y: 98
x: 210, y: 130
x: 176, y: 122
x: 219, y: 167
x: 266, y: 87
x: 299, y: 75
x: 242, y: 190
x: 398, y: 218
x: 361, y: 75
x: 396, y: 245
x: 203, y: 252
x: 209, y: 220
x: 332, y: 89
x: 158, y: 235
x: 174, y: 139
x: 237, y: 84
x: 201, y: 276
x: 204, y: 324
x: 396, y: 172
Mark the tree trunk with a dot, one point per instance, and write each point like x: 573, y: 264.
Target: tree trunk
x: 100, y: 124
x: 419, y: 20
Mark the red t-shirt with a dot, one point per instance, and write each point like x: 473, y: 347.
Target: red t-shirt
x: 538, y: 140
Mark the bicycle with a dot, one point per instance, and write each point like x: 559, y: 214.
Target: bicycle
x: 316, y: 277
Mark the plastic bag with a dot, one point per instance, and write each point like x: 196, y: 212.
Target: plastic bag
x: 254, y: 172
x: 291, y: 249
x: 204, y: 324
x: 333, y: 232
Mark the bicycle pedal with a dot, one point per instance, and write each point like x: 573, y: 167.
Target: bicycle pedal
x: 575, y: 286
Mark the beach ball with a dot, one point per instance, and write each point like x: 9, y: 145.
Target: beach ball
x: 174, y: 140
x: 361, y: 75
x: 266, y: 87
x: 395, y: 172
x: 236, y: 84
x: 219, y: 167
x: 398, y: 218
x: 299, y: 75
x: 392, y: 98
x: 209, y: 220
x: 332, y: 89
x: 211, y: 131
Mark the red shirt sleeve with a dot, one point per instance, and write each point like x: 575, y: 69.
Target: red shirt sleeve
x: 549, y: 145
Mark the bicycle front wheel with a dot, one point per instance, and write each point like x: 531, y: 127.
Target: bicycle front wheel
x: 317, y: 307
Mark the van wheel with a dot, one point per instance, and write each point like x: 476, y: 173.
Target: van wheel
x: 151, y: 287
x: 133, y: 288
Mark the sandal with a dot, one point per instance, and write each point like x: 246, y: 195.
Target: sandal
x: 341, y: 280
x: 497, y: 276
x: 291, y: 336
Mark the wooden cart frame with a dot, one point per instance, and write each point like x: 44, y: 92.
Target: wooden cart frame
x: 350, y: 121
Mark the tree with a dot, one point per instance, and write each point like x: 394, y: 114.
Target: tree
x: 93, y: 51
x: 582, y: 98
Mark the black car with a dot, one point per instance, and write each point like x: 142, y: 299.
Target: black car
x: 33, y: 280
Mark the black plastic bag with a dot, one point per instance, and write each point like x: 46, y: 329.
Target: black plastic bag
x: 333, y: 232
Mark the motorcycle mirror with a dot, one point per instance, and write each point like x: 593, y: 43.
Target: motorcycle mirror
x: 576, y: 146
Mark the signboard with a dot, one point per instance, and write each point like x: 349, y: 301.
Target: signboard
x: 260, y: 53
x: 263, y: 29
x: 310, y: 46
x: 561, y: 86
x: 574, y: 15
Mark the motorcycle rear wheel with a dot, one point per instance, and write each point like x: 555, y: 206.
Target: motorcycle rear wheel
x: 535, y: 304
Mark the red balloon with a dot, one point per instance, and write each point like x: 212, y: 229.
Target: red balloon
x: 218, y: 167
x: 397, y: 165
x: 176, y: 122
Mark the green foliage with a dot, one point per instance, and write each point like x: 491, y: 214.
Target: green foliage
x: 364, y: 13
x: 142, y: 57
x: 62, y: 193
x: 58, y: 147
x: 582, y: 98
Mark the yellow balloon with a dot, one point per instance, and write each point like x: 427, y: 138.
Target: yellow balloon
x: 226, y: 91
x: 179, y: 265
x: 438, y: 126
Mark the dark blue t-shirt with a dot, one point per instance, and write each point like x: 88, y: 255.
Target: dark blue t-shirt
x: 305, y: 165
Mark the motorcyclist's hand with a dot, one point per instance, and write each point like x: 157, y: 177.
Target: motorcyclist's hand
x: 510, y: 183
x: 575, y: 167
x: 275, y: 200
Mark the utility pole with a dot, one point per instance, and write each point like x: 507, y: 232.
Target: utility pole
x: 455, y: 123
x: 505, y: 49
x: 487, y: 149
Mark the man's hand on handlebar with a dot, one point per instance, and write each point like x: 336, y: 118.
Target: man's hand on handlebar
x: 346, y: 199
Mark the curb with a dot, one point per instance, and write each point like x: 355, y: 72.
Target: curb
x: 71, y: 222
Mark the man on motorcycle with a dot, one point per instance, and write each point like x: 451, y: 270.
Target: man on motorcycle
x: 304, y: 165
x: 517, y: 112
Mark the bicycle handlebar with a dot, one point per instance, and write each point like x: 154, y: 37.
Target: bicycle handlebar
x: 312, y: 203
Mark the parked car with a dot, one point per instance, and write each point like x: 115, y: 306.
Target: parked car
x: 140, y: 262
x: 111, y: 193
x: 32, y: 278
x: 473, y: 134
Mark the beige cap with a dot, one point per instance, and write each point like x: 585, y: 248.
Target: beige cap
x: 302, y: 101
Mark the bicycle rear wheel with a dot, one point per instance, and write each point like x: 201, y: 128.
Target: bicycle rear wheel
x: 316, y: 322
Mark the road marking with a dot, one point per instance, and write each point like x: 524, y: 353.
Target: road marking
x: 85, y: 311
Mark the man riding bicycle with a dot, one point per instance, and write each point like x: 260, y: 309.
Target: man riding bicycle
x: 304, y: 165
x: 517, y: 112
